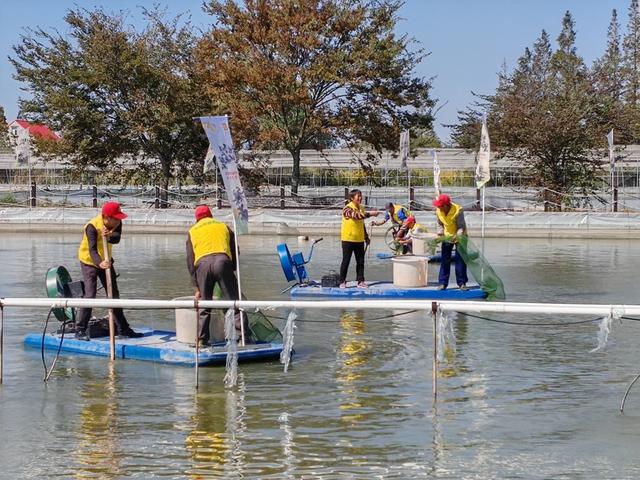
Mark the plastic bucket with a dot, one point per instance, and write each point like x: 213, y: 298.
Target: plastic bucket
x: 409, y: 271
x: 186, y: 324
x: 419, y: 242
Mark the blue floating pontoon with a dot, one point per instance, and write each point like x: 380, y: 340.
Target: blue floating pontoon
x: 387, y: 290
x: 156, y: 346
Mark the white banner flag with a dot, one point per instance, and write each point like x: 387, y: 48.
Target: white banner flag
x: 482, y: 168
x: 404, y: 149
x: 436, y: 172
x: 221, y: 145
x: 612, y: 158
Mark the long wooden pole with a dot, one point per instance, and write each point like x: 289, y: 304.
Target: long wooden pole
x: 197, y: 373
x: 112, y: 333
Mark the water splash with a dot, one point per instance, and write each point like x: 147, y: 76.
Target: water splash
x: 287, y: 340
x: 231, y: 375
x: 445, y: 335
x: 605, y: 328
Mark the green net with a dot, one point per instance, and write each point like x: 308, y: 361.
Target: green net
x: 260, y: 327
x: 476, y: 264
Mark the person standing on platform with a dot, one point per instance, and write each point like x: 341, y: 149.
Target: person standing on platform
x: 93, y: 264
x: 211, y: 259
x: 451, y: 223
x: 354, y: 237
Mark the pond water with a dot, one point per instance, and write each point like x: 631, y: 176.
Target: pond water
x: 514, y: 401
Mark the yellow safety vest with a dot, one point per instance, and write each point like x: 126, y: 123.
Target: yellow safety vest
x: 396, y: 209
x: 449, y: 220
x: 352, y: 230
x: 83, y: 252
x: 209, y: 236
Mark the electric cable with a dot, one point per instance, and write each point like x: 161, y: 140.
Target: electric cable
x: 536, y: 324
x: 49, y: 371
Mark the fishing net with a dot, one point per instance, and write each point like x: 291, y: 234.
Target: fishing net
x: 260, y: 327
x: 476, y: 264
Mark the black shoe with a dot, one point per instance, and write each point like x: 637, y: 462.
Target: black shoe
x: 131, y: 333
x: 82, y: 335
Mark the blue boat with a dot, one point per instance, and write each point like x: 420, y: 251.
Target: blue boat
x: 155, y: 346
x: 387, y: 290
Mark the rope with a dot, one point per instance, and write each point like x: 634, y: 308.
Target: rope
x: 275, y: 317
x: 536, y: 324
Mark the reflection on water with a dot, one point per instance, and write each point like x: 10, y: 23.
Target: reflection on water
x: 98, y: 450
x: 354, y: 350
x: 356, y: 402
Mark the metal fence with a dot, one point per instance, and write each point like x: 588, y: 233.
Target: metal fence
x: 320, y: 198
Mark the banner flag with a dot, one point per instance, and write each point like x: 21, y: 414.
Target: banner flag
x: 436, y: 172
x: 612, y: 158
x: 404, y: 149
x: 221, y: 145
x: 482, y: 168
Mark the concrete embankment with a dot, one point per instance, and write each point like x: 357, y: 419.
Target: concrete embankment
x: 327, y: 222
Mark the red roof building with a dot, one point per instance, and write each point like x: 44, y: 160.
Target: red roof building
x: 34, y: 129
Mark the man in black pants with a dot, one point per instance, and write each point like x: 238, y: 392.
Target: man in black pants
x: 211, y: 259
x: 354, y: 237
x: 93, y: 264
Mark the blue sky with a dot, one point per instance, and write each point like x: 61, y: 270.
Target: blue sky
x: 468, y: 39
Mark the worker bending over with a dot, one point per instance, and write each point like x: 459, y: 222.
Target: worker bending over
x: 93, y: 264
x: 211, y: 259
x: 451, y: 223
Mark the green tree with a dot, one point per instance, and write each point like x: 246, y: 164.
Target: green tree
x: 114, y: 92
x: 631, y: 55
x: 4, y: 130
x: 293, y: 74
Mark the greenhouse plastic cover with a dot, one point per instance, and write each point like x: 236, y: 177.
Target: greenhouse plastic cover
x: 295, y: 222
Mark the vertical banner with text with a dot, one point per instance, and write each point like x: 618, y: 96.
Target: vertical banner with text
x: 404, y: 149
x: 436, y: 172
x: 221, y: 145
x: 484, y: 154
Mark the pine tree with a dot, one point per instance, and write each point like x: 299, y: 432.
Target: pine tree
x: 631, y: 55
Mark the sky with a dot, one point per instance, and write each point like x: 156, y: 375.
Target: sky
x: 468, y: 40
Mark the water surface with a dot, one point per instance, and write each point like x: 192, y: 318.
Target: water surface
x: 515, y: 401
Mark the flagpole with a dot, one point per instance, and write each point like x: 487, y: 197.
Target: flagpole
x: 235, y: 230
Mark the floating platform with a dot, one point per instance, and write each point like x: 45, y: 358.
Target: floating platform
x: 437, y: 258
x: 156, y: 346
x: 387, y: 290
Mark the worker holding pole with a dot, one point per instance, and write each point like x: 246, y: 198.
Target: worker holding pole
x: 95, y: 262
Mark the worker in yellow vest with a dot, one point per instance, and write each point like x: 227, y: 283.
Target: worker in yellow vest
x: 353, y: 235
x: 402, y: 219
x: 450, y: 220
x: 211, y: 259
x: 93, y: 265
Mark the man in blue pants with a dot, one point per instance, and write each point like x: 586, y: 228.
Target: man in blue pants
x: 451, y: 223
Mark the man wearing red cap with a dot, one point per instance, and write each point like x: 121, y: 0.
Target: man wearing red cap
x: 211, y: 259
x: 93, y: 264
x: 452, y: 224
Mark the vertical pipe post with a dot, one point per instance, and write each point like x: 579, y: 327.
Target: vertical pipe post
x: 94, y: 196
x: 412, y: 197
x: 32, y: 197
x: 478, y: 203
x: 346, y: 195
x: 1, y: 342
x: 197, y: 373
x: 546, y: 201
x: 434, y: 314
x: 615, y: 198
x: 282, y: 197
x: 156, y: 191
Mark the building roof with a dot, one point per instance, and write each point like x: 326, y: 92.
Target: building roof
x: 38, y: 130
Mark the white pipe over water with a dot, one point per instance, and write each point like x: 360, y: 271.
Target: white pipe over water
x: 458, y: 306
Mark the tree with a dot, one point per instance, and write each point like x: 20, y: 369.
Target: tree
x: 114, y: 92
x: 4, y: 130
x: 549, y: 123
x: 631, y: 52
x: 607, y: 79
x: 294, y: 74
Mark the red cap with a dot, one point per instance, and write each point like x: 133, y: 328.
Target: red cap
x: 112, y: 209
x: 202, y: 211
x: 441, y: 201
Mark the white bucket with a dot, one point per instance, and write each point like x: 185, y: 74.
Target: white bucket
x: 187, y: 321
x: 419, y: 242
x: 409, y: 271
